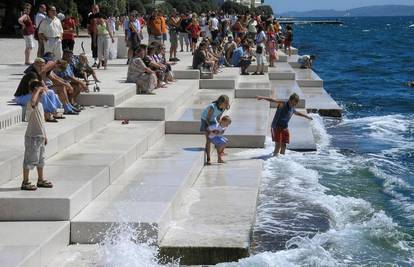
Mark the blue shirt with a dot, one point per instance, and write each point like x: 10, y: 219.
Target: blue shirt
x: 66, y: 74
x: 216, y: 113
x: 283, y: 116
x: 237, y: 55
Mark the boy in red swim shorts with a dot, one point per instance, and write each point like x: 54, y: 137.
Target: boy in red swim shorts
x: 280, y: 130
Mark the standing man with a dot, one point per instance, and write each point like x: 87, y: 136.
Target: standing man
x: 155, y: 27
x: 92, y: 22
x: 40, y: 16
x: 69, y: 30
x: 213, y: 26
x: 133, y: 33
x: 50, y: 32
x: 183, y: 33
x: 174, y: 24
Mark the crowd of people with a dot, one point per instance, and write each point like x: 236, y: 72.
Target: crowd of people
x: 51, y: 84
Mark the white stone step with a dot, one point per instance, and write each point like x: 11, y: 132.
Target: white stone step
x: 252, y: 86
x: 80, y: 172
x: 60, y: 136
x: 319, y: 101
x: 293, y: 61
x: 159, y: 106
x: 281, y: 71
x: 253, y: 67
x: 282, y: 89
x: 227, y: 79
x: 10, y: 113
x: 308, y: 78
x: 145, y: 196
x: 217, y: 216
x: 113, y: 87
x: 248, y: 128
x: 187, y: 74
x: 32, y: 244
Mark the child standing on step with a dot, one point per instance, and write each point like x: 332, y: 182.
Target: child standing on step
x: 215, y: 134
x: 211, y: 116
x: 280, y: 130
x: 35, y: 139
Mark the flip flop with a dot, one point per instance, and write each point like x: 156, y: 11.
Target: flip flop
x: 28, y: 186
x: 44, y: 184
x: 51, y: 120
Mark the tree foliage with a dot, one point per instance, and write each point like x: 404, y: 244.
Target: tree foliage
x: 265, y: 10
x: 234, y: 8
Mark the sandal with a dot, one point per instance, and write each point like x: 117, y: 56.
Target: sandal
x: 28, y: 186
x: 44, y: 184
x: 255, y: 73
x: 52, y: 120
x: 61, y: 117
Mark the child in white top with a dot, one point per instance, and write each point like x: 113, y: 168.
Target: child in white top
x: 215, y: 134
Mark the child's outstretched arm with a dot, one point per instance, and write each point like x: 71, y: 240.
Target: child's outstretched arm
x: 269, y: 99
x: 303, y: 115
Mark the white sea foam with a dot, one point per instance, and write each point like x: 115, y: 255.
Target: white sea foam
x: 356, y: 228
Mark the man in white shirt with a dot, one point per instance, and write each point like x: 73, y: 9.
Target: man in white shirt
x: 51, y: 31
x: 40, y: 16
x: 214, y: 26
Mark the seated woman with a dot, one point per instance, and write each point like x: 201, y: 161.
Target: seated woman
x: 200, y: 58
x: 161, y: 59
x: 158, y: 68
x: 49, y: 99
x: 139, y: 73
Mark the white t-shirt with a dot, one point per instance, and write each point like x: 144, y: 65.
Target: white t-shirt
x: 51, y: 28
x: 35, y: 120
x: 214, y: 24
x: 215, y: 130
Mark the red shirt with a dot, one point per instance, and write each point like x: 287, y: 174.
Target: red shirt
x: 194, y: 29
x: 69, y: 25
x: 28, y: 26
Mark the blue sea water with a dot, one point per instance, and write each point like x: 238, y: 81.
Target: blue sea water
x: 352, y: 202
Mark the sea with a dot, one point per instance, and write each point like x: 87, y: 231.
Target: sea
x: 351, y: 203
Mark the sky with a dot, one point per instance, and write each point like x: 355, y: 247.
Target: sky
x: 280, y: 6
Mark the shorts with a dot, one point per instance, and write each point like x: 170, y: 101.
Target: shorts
x: 194, y: 40
x: 288, y: 43
x: 29, y: 40
x: 34, y: 152
x: 280, y: 135
x: 259, y: 59
x: 164, y: 36
x: 173, y: 38
x: 204, y: 125
x: 219, y: 141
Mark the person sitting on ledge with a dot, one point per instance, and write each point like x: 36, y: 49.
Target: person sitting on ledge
x: 159, y: 69
x: 49, y: 99
x: 306, y: 61
x: 242, y: 58
x: 138, y: 73
x: 200, y: 59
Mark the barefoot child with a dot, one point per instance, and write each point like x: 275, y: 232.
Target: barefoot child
x: 210, y: 116
x: 285, y: 111
x: 215, y: 134
x: 35, y: 139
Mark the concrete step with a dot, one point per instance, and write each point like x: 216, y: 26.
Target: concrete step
x: 308, y: 78
x: 248, y: 128
x: 217, y: 216
x: 319, y: 101
x: 281, y: 71
x: 113, y: 88
x: 227, y: 79
x: 301, y: 135
x: 147, y: 195
x: 60, y: 136
x: 32, y: 244
x: 159, y: 106
x: 80, y: 172
x: 252, y: 86
x: 281, y: 90
x: 293, y: 61
x: 187, y: 74
x: 253, y: 67
x: 10, y: 113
